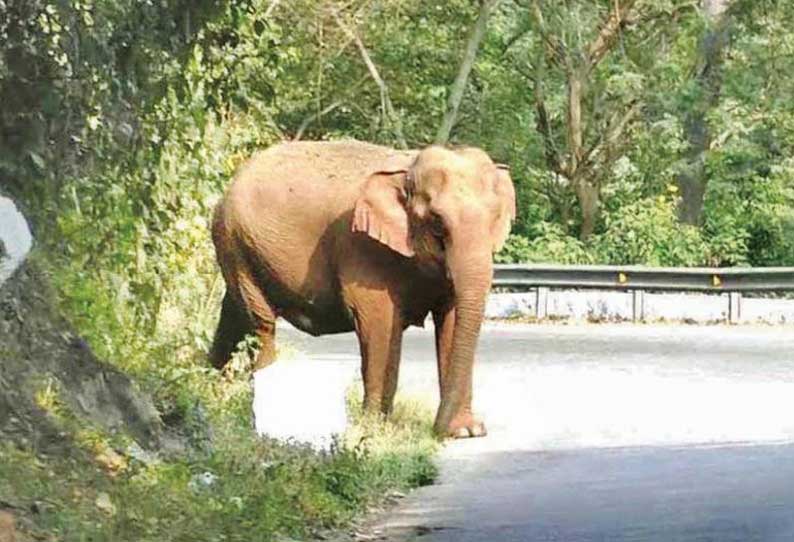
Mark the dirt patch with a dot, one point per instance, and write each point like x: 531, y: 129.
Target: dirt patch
x: 40, y: 353
x: 7, y: 527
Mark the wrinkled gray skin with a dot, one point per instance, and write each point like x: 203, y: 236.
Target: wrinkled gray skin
x: 344, y: 236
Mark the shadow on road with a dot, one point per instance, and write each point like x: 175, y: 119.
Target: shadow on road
x: 725, y: 494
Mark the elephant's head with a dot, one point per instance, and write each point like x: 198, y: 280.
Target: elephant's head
x: 455, y: 207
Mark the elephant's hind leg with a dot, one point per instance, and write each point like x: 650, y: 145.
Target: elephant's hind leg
x: 263, y: 319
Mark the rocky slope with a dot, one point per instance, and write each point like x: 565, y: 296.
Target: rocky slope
x: 39, y: 350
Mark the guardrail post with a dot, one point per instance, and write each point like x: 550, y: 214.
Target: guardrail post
x: 734, y: 307
x: 541, y: 302
x: 637, y: 305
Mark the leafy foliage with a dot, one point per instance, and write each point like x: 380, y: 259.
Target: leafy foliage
x: 649, y: 232
x: 92, y: 83
x: 244, y: 489
x: 550, y: 245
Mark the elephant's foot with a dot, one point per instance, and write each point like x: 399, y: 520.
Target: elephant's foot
x: 464, y: 425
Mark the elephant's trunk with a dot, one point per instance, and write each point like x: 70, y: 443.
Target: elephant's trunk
x: 471, y: 270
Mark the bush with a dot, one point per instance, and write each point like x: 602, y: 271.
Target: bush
x: 648, y: 233
x: 550, y: 245
x: 255, y: 489
x: 749, y: 207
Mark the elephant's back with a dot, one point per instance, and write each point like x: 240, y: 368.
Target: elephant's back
x: 317, y: 178
x: 324, y: 162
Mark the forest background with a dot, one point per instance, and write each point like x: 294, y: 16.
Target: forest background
x: 643, y: 132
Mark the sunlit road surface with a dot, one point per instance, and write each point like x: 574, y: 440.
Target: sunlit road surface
x: 608, y: 432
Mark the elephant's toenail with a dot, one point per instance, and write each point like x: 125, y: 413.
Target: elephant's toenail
x: 479, y: 430
x: 461, y: 432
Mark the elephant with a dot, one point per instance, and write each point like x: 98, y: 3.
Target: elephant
x: 349, y: 236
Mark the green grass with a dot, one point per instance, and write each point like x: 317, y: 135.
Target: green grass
x: 261, y: 488
x: 130, y: 256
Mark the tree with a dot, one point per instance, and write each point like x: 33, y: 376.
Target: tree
x: 578, y: 160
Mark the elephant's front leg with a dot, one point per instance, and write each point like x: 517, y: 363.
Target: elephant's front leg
x: 379, y: 328
x: 465, y: 424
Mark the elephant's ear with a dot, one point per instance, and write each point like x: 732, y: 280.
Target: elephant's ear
x: 381, y: 211
x: 506, y: 194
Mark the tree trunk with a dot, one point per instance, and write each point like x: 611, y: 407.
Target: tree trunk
x: 575, y: 127
x: 692, y: 186
x: 708, y: 73
x: 588, y: 195
x: 587, y: 191
x: 459, y: 86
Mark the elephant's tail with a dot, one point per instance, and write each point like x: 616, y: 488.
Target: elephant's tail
x: 232, y: 328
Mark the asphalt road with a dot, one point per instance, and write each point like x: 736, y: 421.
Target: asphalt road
x: 608, y: 433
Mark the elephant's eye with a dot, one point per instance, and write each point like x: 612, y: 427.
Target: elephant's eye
x: 436, y: 225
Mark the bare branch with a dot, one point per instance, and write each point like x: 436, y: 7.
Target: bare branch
x: 610, y: 31
x: 544, y: 129
x: 528, y: 72
x: 314, y: 117
x: 615, y: 129
x: 273, y: 5
x: 512, y: 40
x: 578, y: 80
x: 386, y: 105
x: 576, y: 91
x: 555, y: 48
x: 542, y: 124
x: 459, y: 86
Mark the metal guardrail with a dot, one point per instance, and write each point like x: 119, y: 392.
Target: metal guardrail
x: 729, y: 279
x: 637, y: 279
